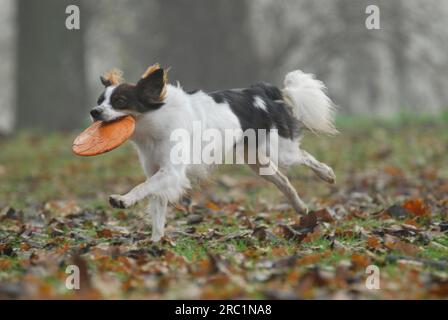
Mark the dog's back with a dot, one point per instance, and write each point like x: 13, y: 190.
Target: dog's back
x: 260, y: 106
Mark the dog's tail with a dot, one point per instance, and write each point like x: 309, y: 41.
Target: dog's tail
x: 311, y: 106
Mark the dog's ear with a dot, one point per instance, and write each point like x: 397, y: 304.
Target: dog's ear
x: 112, y: 78
x: 151, y: 87
x: 106, y: 83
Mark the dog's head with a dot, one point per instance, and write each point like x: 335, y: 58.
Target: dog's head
x: 120, y: 99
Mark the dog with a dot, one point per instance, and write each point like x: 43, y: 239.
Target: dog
x: 161, y: 108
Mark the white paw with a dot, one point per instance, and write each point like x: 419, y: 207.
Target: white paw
x: 325, y: 173
x: 120, y: 202
x: 299, y: 206
x: 331, y: 177
x: 156, y: 238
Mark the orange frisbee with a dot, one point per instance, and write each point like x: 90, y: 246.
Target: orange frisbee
x: 102, y: 137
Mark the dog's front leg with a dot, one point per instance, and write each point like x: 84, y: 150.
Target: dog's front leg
x: 157, y: 209
x: 131, y: 198
x: 168, y: 183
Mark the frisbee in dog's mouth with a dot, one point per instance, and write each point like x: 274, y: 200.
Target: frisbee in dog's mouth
x: 102, y: 137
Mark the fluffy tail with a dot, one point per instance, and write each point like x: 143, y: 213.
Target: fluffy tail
x: 306, y: 95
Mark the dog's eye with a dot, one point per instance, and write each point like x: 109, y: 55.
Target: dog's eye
x: 120, y: 102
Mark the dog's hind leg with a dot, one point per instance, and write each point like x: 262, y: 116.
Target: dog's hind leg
x: 157, y: 208
x: 322, y: 170
x: 283, y: 184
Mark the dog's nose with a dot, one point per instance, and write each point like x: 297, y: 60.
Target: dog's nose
x: 95, y: 113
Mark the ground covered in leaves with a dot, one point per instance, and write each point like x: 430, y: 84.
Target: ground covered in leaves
x: 236, y: 237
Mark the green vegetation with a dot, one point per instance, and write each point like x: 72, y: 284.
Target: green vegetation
x: 389, y: 207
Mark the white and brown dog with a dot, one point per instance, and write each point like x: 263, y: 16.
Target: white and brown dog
x: 160, y: 108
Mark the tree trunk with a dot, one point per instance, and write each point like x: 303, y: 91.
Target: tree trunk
x: 51, y: 86
x: 206, y: 43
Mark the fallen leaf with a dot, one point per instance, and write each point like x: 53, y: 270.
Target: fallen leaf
x: 417, y: 207
x: 324, y: 215
x: 360, y: 261
x: 212, y: 206
x: 104, y: 233
x: 373, y: 242
x: 290, y: 234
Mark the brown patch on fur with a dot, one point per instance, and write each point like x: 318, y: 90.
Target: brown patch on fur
x: 115, y: 76
x: 163, y: 93
x: 153, y: 69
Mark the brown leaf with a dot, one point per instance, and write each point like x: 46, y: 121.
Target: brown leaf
x: 313, y: 236
x: 104, y: 233
x: 6, y: 249
x: 290, y: 234
x: 417, y: 207
x: 24, y: 246
x: 308, y: 221
x: 389, y: 241
x: 260, y: 233
x: 324, y: 215
x: 313, y: 258
x: 4, y: 264
x: 393, y: 171
x: 406, y: 248
x: 440, y: 289
x: 212, y: 206
x: 412, y: 222
x: 360, y: 261
x: 373, y: 242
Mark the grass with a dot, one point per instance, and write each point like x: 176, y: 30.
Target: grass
x: 60, y: 215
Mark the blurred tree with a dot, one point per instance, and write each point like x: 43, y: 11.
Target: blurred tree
x: 401, y: 67
x: 212, y: 41
x: 51, y: 87
x: 207, y: 43
x: 7, y: 65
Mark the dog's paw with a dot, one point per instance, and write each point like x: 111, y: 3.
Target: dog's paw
x: 302, y: 210
x: 325, y: 173
x: 299, y: 206
x: 156, y: 238
x: 119, y: 202
x: 330, y: 177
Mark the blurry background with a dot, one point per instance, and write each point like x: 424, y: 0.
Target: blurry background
x: 50, y: 74
x: 237, y: 238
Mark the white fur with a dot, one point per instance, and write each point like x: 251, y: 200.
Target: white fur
x: 153, y: 130
x: 310, y: 103
x: 166, y: 182
x: 109, y: 113
x: 259, y: 103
